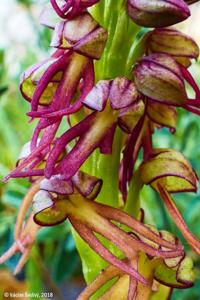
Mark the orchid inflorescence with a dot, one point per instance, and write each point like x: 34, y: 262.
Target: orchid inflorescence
x: 97, y: 109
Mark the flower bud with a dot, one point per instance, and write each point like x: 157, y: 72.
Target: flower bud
x: 173, y: 42
x: 158, y: 77
x: 129, y: 116
x: 120, y: 91
x: 157, y: 13
x: 164, y: 115
x: 82, y: 34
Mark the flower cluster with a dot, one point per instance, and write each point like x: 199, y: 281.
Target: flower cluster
x: 64, y: 85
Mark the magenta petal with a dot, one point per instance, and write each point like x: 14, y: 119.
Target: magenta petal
x: 27, y: 74
x: 71, y: 8
x: 57, y: 9
x: 57, y: 66
x: 129, y: 157
x: 188, y: 77
x: 34, y: 155
x: 132, y: 288
x: 27, y: 173
x: 122, y: 93
x: 98, y: 96
x: 75, y: 158
x: 60, y: 145
x: 57, y: 36
x: 42, y: 125
x: 57, y: 185
x: 56, y: 114
x: 87, y: 84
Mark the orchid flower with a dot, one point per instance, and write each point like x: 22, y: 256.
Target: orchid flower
x: 55, y: 203
x: 114, y: 102
x: 54, y: 82
x: 56, y: 199
x: 173, y: 273
x: 167, y: 171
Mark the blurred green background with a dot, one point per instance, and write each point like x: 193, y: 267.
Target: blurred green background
x: 54, y: 264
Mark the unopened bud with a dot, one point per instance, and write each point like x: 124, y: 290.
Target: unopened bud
x: 158, y: 13
x: 159, y: 78
x: 173, y: 42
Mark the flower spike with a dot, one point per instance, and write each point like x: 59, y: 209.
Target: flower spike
x: 112, y: 107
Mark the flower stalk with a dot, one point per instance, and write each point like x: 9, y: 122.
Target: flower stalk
x: 123, y: 90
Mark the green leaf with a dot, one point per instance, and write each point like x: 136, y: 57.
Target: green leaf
x: 33, y: 273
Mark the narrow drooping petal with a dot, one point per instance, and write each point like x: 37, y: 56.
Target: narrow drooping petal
x: 23, y: 244
x: 105, y: 276
x: 90, y: 238
x: 178, y: 219
x: 47, y: 77
x: 135, y: 225
x: 129, y: 156
x: 62, y: 142
x: 87, y: 85
x: 188, y: 77
x: 26, y: 203
x: 35, y: 155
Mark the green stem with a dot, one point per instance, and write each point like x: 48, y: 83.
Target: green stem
x: 122, y: 32
x: 132, y: 206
